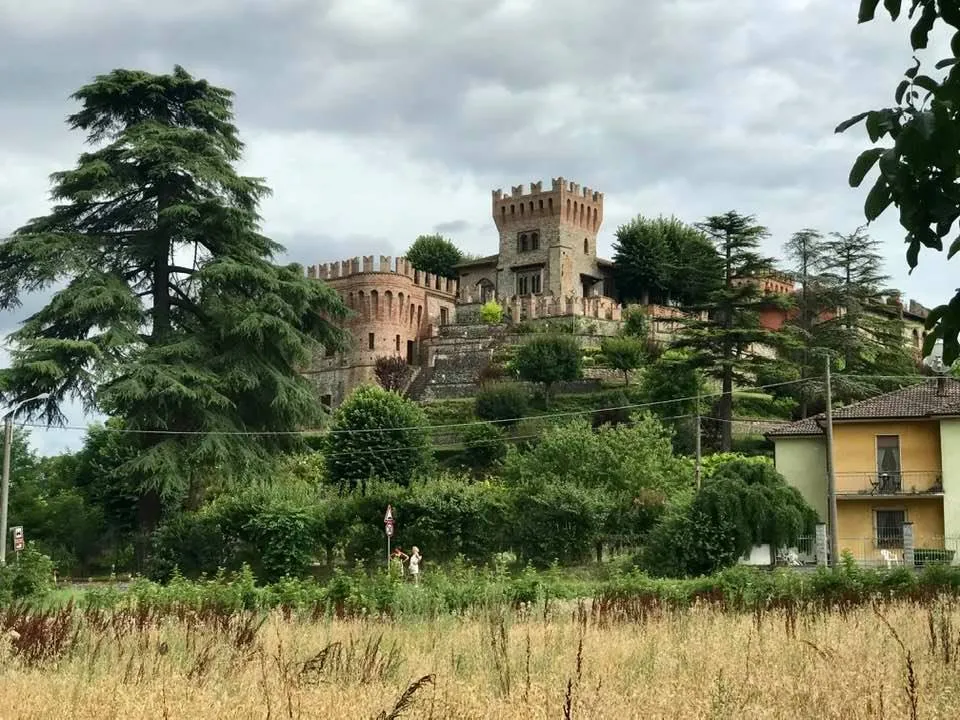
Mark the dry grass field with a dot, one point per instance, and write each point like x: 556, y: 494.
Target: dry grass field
x: 899, y: 662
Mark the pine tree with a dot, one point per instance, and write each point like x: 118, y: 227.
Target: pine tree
x: 804, y: 251
x: 729, y: 343
x: 168, y: 312
x: 864, y: 332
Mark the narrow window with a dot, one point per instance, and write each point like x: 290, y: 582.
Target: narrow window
x: 398, y: 343
x: 326, y: 401
x: 535, y: 241
x: 370, y: 340
x: 888, y: 463
x: 535, y: 281
x: 443, y: 316
x: 586, y: 246
x: 889, y: 528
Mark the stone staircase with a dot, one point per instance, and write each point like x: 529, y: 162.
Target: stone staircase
x: 455, y: 358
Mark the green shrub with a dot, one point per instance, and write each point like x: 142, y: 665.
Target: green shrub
x: 503, y: 404
x: 624, y: 354
x: 491, y: 313
x: 29, y: 575
x: 553, y: 522
x: 376, y: 434
x: 742, y: 504
x: 548, y: 359
x: 485, y: 446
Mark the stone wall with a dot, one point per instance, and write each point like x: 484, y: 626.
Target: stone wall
x: 565, y: 219
x: 393, y: 308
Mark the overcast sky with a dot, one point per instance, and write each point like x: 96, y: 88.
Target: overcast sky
x: 377, y: 120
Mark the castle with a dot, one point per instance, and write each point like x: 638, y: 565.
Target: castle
x: 547, y: 266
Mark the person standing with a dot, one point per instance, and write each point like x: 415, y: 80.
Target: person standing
x: 414, y: 564
x: 399, y: 557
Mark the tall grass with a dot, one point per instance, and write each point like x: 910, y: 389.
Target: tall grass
x: 896, y: 660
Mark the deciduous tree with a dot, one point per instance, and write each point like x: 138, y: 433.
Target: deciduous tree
x: 917, y: 166
x: 434, y: 254
x: 376, y: 435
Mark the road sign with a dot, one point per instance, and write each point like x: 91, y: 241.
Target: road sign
x: 18, y: 538
x: 388, y: 518
x: 389, y: 528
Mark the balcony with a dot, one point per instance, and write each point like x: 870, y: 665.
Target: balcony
x: 872, y: 484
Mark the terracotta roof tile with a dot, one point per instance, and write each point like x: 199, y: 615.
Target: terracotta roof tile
x: 925, y: 399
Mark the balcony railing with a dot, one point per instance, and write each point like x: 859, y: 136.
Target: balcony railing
x: 871, y: 483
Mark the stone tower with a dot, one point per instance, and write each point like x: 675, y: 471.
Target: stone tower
x: 548, y: 240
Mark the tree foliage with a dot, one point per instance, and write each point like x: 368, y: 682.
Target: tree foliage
x: 624, y: 353
x: 168, y: 312
x: 392, y: 372
x: 491, y: 312
x: 671, y: 385
x: 743, y: 503
x: 917, y: 168
x: 434, y: 254
x: 663, y: 260
x: 504, y: 404
x: 863, y: 330
x: 376, y: 435
x: 728, y: 343
x: 626, y: 458
x: 549, y: 359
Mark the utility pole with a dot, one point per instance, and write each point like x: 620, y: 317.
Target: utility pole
x: 5, y: 484
x: 831, y: 479
x: 696, y: 467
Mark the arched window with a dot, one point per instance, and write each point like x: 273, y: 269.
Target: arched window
x: 388, y: 296
x: 586, y: 246
x: 362, y: 304
x: 550, y: 205
x: 411, y: 313
x: 400, y: 307
x: 568, y: 208
x: 374, y: 304
x: 531, y: 207
x: 513, y: 210
x: 916, y: 338
x: 534, y: 241
x: 503, y: 210
x: 541, y: 204
x: 522, y: 243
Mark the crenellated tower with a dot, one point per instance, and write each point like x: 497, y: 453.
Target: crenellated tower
x: 548, y: 240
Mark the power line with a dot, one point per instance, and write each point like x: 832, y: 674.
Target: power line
x: 448, y: 426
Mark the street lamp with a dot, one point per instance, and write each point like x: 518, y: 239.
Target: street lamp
x: 5, y: 487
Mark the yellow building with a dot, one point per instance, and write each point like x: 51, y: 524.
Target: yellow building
x: 896, y: 460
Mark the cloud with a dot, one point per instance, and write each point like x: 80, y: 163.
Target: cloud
x: 375, y: 121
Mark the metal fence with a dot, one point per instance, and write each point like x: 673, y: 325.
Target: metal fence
x: 883, y: 550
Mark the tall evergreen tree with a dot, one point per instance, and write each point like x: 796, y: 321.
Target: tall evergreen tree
x: 168, y: 312
x: 864, y: 332
x: 804, y: 252
x: 729, y: 343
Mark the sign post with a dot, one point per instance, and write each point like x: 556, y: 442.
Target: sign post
x: 388, y: 528
x: 18, y: 539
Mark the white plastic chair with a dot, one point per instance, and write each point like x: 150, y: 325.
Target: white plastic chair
x: 890, y: 558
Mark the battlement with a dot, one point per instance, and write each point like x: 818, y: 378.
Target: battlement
x: 558, y: 185
x: 565, y: 201
x: 343, y: 269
